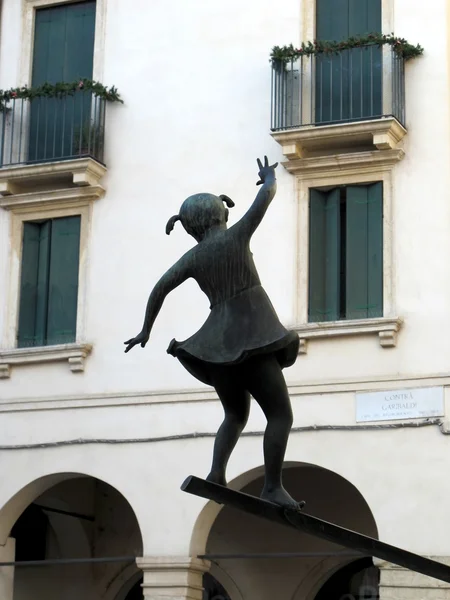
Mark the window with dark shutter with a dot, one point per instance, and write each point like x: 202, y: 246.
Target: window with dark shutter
x: 49, y: 282
x: 63, y: 52
x: 349, y: 84
x: 346, y: 253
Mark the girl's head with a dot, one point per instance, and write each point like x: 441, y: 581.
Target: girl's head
x: 200, y: 212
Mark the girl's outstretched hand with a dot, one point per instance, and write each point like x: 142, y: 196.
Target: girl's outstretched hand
x: 141, y: 338
x: 265, y: 170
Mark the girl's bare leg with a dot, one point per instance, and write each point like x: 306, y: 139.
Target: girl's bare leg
x: 236, y: 405
x: 267, y: 385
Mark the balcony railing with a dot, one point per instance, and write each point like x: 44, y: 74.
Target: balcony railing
x: 48, y: 129
x: 356, y: 84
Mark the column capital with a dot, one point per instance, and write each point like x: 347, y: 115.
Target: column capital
x: 172, y: 577
x: 393, y: 577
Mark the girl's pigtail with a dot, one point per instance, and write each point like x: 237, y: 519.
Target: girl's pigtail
x: 228, y: 201
x: 171, y: 223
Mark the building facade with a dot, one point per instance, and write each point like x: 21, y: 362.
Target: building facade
x: 95, y: 443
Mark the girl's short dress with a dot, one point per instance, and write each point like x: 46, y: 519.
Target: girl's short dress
x: 238, y: 328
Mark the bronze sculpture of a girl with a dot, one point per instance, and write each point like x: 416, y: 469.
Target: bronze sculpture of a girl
x: 242, y: 347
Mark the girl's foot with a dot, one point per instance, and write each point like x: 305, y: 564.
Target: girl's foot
x: 282, y: 498
x: 217, y: 477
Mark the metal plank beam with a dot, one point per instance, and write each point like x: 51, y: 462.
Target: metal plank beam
x: 316, y: 527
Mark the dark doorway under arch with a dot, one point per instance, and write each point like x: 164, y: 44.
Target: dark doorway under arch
x: 262, y: 559
x: 213, y: 590
x: 136, y: 591
x: 357, y: 581
x: 82, y: 519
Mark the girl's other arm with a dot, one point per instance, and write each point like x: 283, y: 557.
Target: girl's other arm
x: 168, y: 282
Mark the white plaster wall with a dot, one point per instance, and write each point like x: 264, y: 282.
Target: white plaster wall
x: 196, y: 84
x: 196, y: 88
x: 401, y: 474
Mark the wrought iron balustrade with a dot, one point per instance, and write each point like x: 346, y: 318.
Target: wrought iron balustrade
x: 353, y: 85
x: 47, y: 129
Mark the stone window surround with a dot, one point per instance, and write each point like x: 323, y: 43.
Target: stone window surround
x: 308, y: 18
x: 46, y: 205
x: 307, y: 31
x: 28, y: 20
x: 330, y: 171
x: 32, y: 204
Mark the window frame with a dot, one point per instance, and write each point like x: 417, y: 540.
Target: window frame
x: 82, y: 208
x: 342, y: 276
x: 28, y: 25
x: 308, y: 32
x: 304, y: 186
x: 308, y: 20
x: 331, y: 171
x: 46, y: 332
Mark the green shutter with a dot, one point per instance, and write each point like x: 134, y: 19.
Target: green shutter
x: 366, y: 63
x: 349, y: 85
x: 364, y: 252
x: 364, y: 16
x: 42, y: 283
x: 63, y: 51
x: 48, y: 55
x: 332, y: 21
x: 331, y: 103
x: 64, y: 43
x: 63, y: 280
x: 375, y: 249
x: 324, y: 255
x: 79, y: 40
x: 28, y: 285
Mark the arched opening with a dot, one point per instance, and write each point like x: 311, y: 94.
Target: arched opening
x: 358, y: 580
x: 136, y: 591
x: 85, y: 533
x: 213, y: 590
x: 265, y: 561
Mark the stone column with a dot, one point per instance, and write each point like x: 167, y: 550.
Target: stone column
x: 7, y: 554
x: 172, y: 577
x: 397, y: 583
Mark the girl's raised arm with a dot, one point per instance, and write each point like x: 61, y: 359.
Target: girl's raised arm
x: 168, y: 282
x: 253, y: 217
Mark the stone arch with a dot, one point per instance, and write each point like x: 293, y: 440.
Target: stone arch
x: 227, y: 581
x: 211, y: 510
x: 329, y: 495
x: 114, y: 531
x: 309, y: 587
x: 25, y: 495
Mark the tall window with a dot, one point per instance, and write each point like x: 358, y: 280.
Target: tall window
x: 49, y: 282
x: 346, y: 253
x: 348, y: 86
x: 63, y: 52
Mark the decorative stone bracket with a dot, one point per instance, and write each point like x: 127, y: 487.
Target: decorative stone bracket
x: 385, y: 327
x: 51, y: 198
x: 74, y: 354
x: 378, y: 134
x: 25, y: 179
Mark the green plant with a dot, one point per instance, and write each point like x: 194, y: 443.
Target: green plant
x: 59, y: 90
x: 88, y: 138
x: 403, y: 49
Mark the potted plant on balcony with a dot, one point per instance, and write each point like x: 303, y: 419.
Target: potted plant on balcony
x: 88, y: 139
